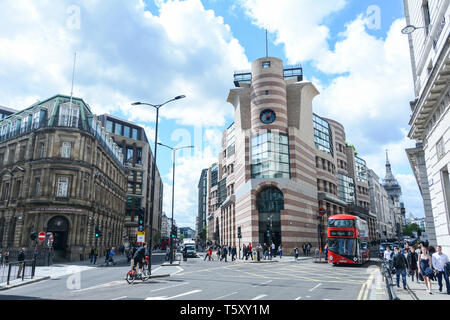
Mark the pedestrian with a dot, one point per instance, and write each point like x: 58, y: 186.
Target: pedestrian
x: 265, y: 250
x: 224, y: 253
x: 258, y: 251
x: 273, y: 247
x: 304, y: 249
x: 325, y: 250
x: 95, y: 255
x: 399, y: 262
x: 91, y: 256
x: 244, y: 252
x: 250, y: 250
x: 424, y: 265
x: 111, y: 256
x: 296, y: 253
x: 107, y: 255
x: 388, y: 257
x: 439, y: 261
x: 280, y: 250
x: 308, y: 249
x: 233, y: 253
x: 218, y: 252
x: 20, y: 259
x: 229, y: 249
x: 412, y: 264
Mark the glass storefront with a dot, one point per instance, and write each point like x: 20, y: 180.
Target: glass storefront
x: 270, y: 202
x: 322, y: 135
x: 270, y: 155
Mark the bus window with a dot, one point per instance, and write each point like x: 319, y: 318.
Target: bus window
x: 363, y: 245
x: 341, y: 223
x: 342, y: 246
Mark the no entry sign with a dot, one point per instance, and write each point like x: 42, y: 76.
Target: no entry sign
x: 41, y: 236
x: 322, y: 211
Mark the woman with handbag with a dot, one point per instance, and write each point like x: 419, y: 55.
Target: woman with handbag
x: 424, y: 264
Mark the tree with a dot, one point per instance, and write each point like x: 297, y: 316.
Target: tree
x: 181, y: 237
x: 408, y: 229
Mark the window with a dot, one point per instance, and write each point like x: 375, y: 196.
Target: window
x: 68, y: 115
x: 426, y: 16
x: 139, y: 155
x: 118, y: 129
x: 36, y: 117
x: 130, y: 155
x: 42, y: 151
x: 138, y: 188
x: 62, y: 187
x: 270, y: 155
x: 6, y: 191
x: 24, y: 125
x: 109, y: 126
x: 134, y: 134
x: 440, y: 150
x: 322, y: 135
x: 65, y: 149
x: 37, y: 186
x: 266, y: 64
x: 126, y: 131
x: 16, y: 193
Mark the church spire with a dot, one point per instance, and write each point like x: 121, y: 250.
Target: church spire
x: 389, y: 179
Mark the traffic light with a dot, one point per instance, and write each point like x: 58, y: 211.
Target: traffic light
x: 141, y: 220
x: 174, y: 232
x: 239, y: 234
x: 98, y: 233
x: 33, y: 236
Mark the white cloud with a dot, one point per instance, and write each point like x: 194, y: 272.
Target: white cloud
x: 298, y: 24
x: 124, y: 54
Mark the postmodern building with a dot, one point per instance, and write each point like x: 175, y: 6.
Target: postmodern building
x: 430, y: 160
x: 138, y: 159
x: 60, y: 172
x: 280, y: 163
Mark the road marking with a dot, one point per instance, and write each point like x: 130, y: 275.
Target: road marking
x: 179, y: 295
x: 260, y: 296
x: 104, y: 285
x: 369, y: 283
x: 315, y: 287
x: 119, y: 298
x: 361, y: 291
x: 261, y: 284
x: 177, y: 285
x: 227, y: 295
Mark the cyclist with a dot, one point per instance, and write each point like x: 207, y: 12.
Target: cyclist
x: 138, y: 257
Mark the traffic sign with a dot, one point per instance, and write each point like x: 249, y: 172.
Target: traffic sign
x: 322, y: 211
x: 41, y: 236
x: 141, y: 238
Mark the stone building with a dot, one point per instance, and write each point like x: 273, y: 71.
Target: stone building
x: 60, y: 172
x: 138, y: 159
x: 429, y: 43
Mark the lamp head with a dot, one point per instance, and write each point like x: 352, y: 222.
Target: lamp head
x: 136, y: 103
x: 180, y: 97
x: 408, y: 29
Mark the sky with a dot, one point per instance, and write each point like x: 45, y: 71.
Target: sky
x: 153, y: 50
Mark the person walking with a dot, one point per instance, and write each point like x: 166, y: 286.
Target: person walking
x: 20, y: 259
x: 107, y: 255
x: 325, y: 250
x: 265, y: 251
x: 399, y: 262
x: 111, y: 256
x: 229, y: 249
x: 233, y: 253
x: 296, y: 253
x: 388, y: 257
x: 219, y: 252
x: 280, y: 250
x: 304, y: 249
x: 91, y: 256
x: 412, y: 264
x: 250, y: 251
x: 308, y: 249
x: 208, y: 254
x: 439, y: 261
x: 244, y: 252
x: 424, y: 265
x: 224, y: 253
x: 274, y: 253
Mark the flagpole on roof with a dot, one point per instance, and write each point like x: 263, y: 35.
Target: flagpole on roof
x: 73, y: 77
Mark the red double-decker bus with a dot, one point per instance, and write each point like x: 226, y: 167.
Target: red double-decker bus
x: 164, y: 243
x: 347, y: 239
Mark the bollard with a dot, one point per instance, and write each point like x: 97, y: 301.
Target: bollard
x: 9, y: 274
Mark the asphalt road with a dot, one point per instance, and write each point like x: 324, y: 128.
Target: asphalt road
x: 205, y: 280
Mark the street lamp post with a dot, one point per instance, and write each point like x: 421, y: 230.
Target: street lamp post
x: 173, y: 192
x: 152, y: 197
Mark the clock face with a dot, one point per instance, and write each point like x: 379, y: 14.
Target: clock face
x: 267, y: 116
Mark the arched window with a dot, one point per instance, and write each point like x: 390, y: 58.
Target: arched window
x: 270, y: 200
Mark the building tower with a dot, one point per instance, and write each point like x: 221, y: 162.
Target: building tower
x: 394, y: 192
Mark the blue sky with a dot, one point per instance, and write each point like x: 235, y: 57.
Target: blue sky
x: 152, y: 51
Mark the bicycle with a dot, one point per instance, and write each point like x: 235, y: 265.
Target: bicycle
x: 144, y: 275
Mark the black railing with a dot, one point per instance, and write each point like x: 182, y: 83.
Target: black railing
x: 387, y: 270
x: 17, y: 270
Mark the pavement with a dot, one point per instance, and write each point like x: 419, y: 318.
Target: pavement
x: 418, y: 291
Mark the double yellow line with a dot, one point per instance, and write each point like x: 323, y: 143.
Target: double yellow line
x: 365, y: 288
